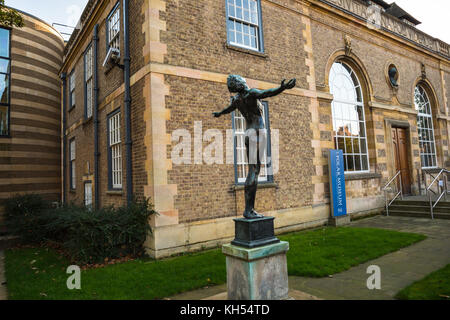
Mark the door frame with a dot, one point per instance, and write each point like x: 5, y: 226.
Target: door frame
x: 390, y: 155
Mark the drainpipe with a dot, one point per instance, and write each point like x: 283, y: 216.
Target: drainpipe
x: 126, y: 61
x: 96, y: 153
x: 64, y: 107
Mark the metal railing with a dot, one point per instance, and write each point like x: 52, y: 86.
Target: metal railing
x: 442, y: 190
x: 400, y: 193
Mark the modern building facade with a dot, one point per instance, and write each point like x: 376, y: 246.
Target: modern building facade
x: 141, y: 79
x: 30, y: 115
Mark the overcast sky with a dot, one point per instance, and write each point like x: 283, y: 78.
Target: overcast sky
x: 434, y: 14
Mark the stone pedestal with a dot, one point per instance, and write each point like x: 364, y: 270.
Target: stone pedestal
x: 257, y: 273
x: 252, y: 233
x: 339, y: 221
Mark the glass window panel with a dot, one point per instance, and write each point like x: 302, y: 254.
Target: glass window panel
x: 356, y: 146
x: 4, y: 43
x: 364, y: 163
x: 341, y: 144
x: 246, y: 40
x: 4, y: 85
x: 231, y: 10
x: 247, y: 15
x: 253, y: 42
x: 350, y: 163
x: 360, y: 113
x: 357, y: 163
x: 4, y: 121
x: 239, y: 13
x: 362, y: 129
x: 348, y: 145
x: 4, y: 65
x: 363, y: 145
x: 232, y: 35
x: 239, y: 37
x: 348, y: 116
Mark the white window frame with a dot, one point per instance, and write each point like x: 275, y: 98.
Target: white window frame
x: 240, y: 24
x: 72, y: 79
x: 88, y: 194
x: 339, y: 116
x: 113, y: 29
x: 425, y: 128
x: 115, y: 151
x: 72, y: 158
x: 89, y: 81
x: 241, y: 161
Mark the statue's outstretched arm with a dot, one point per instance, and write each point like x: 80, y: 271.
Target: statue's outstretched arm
x: 262, y: 94
x: 227, y: 110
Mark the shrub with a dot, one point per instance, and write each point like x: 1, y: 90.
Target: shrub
x: 88, y: 236
x: 24, y: 214
x: 92, y: 236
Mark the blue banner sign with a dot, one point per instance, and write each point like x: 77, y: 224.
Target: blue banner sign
x: 337, y: 183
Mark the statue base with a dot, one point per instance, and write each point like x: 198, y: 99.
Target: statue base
x: 339, y: 221
x: 252, y: 233
x: 258, y: 273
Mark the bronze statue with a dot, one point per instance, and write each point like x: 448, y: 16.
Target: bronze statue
x: 393, y: 76
x: 247, y: 101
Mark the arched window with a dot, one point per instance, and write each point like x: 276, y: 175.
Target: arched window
x: 349, y: 126
x: 425, y: 128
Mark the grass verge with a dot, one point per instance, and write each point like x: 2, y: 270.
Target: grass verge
x: 435, y: 286
x: 40, y: 273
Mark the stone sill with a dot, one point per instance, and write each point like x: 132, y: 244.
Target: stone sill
x: 114, y: 192
x: 87, y: 121
x: 248, y: 51
x: 362, y: 176
x: 238, y: 187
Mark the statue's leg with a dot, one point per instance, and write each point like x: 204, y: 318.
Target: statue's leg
x: 251, y: 183
x: 261, y: 147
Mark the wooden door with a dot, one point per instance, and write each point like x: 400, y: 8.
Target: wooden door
x: 400, y: 143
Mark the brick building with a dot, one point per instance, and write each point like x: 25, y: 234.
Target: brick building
x: 30, y: 116
x: 135, y: 72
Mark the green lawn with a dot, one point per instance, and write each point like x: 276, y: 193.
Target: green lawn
x: 325, y: 251
x: 40, y: 273
x: 435, y: 286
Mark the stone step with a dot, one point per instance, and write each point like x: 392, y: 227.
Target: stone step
x: 441, y: 204
x: 417, y: 208
x: 418, y: 214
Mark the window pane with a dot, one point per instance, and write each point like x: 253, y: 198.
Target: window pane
x: 350, y: 166
x: 4, y: 85
x: 348, y: 117
x: 4, y: 123
x: 425, y: 128
x: 243, y: 20
x: 4, y: 65
x: 365, y: 163
x: 4, y: 43
x: 357, y: 163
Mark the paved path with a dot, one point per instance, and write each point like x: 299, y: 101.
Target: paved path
x: 398, y: 269
x: 3, y: 293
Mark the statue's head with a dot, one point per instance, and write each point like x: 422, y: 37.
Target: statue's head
x: 236, y: 83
